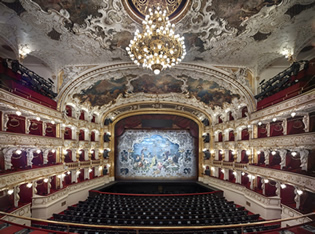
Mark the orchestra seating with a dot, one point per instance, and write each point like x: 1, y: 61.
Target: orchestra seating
x: 202, y: 209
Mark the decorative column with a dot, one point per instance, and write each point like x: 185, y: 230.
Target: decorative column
x: 48, y: 185
x: 227, y: 155
x: 284, y: 126
x: 5, y: 121
x: 34, y: 187
x: 30, y: 156
x: 74, y: 176
x: 268, y: 129
x: 44, y: 128
x: 306, y: 121
x: 16, y: 195
x: 283, y: 156
x: 45, y: 156
x: 266, y: 153
x: 304, y: 159
x: 27, y: 125
x: 61, y: 178
x: 263, y: 186
x: 87, y: 155
x: 96, y: 151
x: 216, y: 154
x: 86, y: 173
x: 74, y: 156
x: 238, y: 177
x: 252, y: 180
x: 7, y: 158
x: 278, y: 188
x: 216, y: 172
x: 297, y: 197
x: 226, y: 174
x: 236, y: 135
x: 238, y: 155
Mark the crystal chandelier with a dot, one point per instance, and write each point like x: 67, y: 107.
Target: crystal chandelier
x: 157, y: 47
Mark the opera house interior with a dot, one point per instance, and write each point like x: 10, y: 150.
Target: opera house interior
x: 157, y: 116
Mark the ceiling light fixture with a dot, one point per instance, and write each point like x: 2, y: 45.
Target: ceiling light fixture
x: 157, y: 47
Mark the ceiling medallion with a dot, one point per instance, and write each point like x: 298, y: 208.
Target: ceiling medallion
x: 157, y: 47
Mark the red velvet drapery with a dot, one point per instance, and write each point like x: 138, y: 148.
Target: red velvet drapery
x: 219, y: 119
x: 262, y: 131
x: 68, y: 134
x: 16, y: 124
x: 51, y: 157
x: 19, y: 161
x: 36, y: 127
x: 244, y: 157
x: 220, y: 136
x: 37, y: 159
x: 81, y: 135
x: 135, y: 121
x: 92, y: 136
x: 295, y: 125
x: 51, y: 130
x: 82, y: 115
x: 93, y: 119
x: 68, y: 156
x: 245, y: 134
x: 261, y: 158
x: 231, y: 135
x: 276, y: 128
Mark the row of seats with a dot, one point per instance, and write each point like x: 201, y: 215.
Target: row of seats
x: 122, y: 231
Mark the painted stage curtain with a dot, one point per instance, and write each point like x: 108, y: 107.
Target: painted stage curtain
x: 19, y: 161
x: 69, y: 111
x: 68, y: 134
x: 244, y: 111
x: 92, y: 136
x: 276, y: 129
x: 245, y: 134
x: 36, y: 128
x: 135, y: 122
x: 231, y: 135
x: 295, y: 125
x: 262, y: 131
x: 51, y: 130
x: 81, y: 135
x: 16, y: 124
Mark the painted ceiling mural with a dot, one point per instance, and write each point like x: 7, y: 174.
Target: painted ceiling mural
x: 104, y: 92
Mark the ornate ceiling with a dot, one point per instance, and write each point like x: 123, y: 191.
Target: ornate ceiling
x: 238, y: 39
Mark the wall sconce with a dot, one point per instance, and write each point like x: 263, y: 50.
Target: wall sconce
x: 273, y: 152
x: 248, y: 152
x: 38, y: 151
x: 37, y: 118
x: 222, y: 171
x: 274, y: 119
x: 243, y: 173
x: 258, y: 152
x: 212, y: 168
x: 29, y: 185
x: 266, y: 181
x: 108, y: 165
x: 299, y: 192
x: 259, y: 123
x: 53, y: 151
x: 68, y: 172
x: 18, y: 152
x: 18, y: 113
x: 293, y: 114
x: 100, y: 167
x: 234, y: 173
x: 45, y: 180
x: 78, y: 172
x: 10, y: 191
x: 90, y: 170
x: 293, y: 153
x: 65, y: 152
x: 53, y: 122
x: 283, y: 186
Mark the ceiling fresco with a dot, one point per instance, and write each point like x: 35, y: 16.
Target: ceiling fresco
x: 104, y: 92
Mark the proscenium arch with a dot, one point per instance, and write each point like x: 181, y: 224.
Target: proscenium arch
x: 222, y: 77
x: 111, y: 129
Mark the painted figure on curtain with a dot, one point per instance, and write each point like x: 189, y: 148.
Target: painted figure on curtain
x: 144, y: 154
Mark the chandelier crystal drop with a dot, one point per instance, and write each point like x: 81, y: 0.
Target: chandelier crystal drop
x: 157, y: 47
